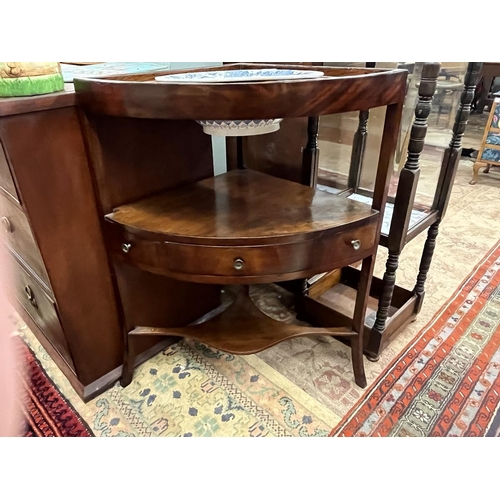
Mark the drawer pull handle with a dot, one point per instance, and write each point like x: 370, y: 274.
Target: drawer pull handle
x: 31, y: 296
x: 7, y: 225
x: 126, y: 247
x: 356, y: 244
x: 238, y: 264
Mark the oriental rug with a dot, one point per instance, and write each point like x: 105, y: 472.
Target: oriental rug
x: 46, y: 411
x: 446, y: 382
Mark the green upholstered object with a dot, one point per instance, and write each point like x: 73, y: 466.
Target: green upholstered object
x: 15, y: 84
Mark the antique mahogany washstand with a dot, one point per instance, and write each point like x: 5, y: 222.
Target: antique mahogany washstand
x: 242, y: 227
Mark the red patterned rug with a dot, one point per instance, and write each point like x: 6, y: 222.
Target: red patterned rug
x: 446, y: 382
x: 47, y: 412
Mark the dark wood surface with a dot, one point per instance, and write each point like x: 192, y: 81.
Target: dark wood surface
x: 50, y: 165
x: 488, y: 71
x: 41, y: 308
x: 255, y: 330
x: 449, y: 166
x: 54, y: 231
x: 257, y: 263
x: 7, y: 185
x: 279, y: 229
x: 20, y: 105
x: 278, y: 154
x: 405, y: 196
x: 327, y: 309
x: 409, y: 175
x: 133, y: 158
x: 241, y: 208
x: 310, y: 155
x: 407, y: 303
x: 340, y: 90
x: 274, y: 228
x: 15, y: 231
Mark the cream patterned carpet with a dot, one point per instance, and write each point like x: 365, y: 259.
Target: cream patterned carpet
x: 298, y: 388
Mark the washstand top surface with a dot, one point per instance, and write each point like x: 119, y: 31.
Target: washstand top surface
x: 337, y: 90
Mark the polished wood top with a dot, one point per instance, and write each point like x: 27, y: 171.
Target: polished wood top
x: 339, y: 90
x: 29, y: 104
x: 241, y: 208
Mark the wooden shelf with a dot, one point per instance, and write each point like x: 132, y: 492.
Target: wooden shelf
x: 243, y: 227
x: 241, y: 328
x: 336, y: 306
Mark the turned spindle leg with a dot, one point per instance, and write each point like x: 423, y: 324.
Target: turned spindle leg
x: 425, y: 262
x: 388, y: 284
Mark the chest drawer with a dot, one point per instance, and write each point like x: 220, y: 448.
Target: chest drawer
x: 40, y: 307
x: 16, y: 232
x: 6, y: 181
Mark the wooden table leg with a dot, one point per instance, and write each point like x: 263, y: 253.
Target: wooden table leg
x: 475, y: 174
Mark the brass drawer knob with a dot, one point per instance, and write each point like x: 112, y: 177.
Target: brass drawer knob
x: 30, y: 296
x: 126, y: 247
x: 7, y: 225
x: 356, y: 244
x: 238, y: 264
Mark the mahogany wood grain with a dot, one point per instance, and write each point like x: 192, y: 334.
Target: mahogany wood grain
x: 260, y: 263
x: 134, y: 158
x: 256, y: 331
x: 340, y: 90
x: 267, y: 228
x: 199, y: 232
x: 154, y: 300
x: 15, y: 231
x: 7, y: 185
x: 20, y: 105
x: 278, y: 154
x: 241, y: 208
x: 39, y: 306
x: 54, y: 181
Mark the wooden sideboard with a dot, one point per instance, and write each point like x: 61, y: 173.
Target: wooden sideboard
x: 64, y: 286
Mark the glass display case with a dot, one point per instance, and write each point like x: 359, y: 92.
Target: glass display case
x: 341, y: 170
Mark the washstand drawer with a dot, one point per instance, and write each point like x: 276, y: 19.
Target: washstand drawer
x: 232, y: 262
x: 16, y: 231
x: 40, y: 307
x: 6, y: 180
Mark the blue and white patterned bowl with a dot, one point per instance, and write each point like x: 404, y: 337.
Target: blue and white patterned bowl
x: 235, y: 128
x: 239, y: 127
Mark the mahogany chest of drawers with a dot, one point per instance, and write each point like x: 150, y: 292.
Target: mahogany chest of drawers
x: 62, y: 283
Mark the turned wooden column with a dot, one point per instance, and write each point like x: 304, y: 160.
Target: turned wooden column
x: 358, y: 151
x: 358, y: 147
x: 310, y: 164
x: 405, y: 197
x: 310, y: 155
x: 449, y: 167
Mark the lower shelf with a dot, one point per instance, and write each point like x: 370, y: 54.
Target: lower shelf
x: 241, y: 328
x: 336, y: 306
